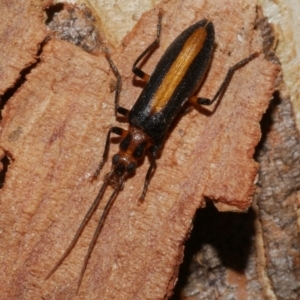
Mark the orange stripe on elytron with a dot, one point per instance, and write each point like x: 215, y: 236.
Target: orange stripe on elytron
x: 178, y: 69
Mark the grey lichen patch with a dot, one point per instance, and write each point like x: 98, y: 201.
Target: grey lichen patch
x: 75, y: 24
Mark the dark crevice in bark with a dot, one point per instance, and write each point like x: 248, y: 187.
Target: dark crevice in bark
x: 22, y: 78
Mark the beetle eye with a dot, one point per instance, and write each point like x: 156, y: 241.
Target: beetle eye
x: 115, y: 159
x: 131, y: 167
x: 119, y: 169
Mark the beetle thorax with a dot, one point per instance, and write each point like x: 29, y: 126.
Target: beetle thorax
x: 132, y: 149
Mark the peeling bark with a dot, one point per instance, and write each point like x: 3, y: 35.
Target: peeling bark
x: 54, y: 128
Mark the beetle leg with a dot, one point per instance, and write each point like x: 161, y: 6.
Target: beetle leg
x: 137, y: 71
x: 148, y: 177
x: 118, y: 109
x: 117, y: 130
x: 153, y: 150
x: 204, y: 101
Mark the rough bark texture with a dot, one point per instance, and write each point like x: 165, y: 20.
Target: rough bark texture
x: 54, y: 129
x: 278, y: 199
x: 253, y: 256
x: 21, y: 33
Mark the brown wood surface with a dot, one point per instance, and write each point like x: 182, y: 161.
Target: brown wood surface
x: 21, y: 33
x: 54, y: 130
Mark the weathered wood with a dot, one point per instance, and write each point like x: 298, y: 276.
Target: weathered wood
x: 54, y: 129
x: 21, y: 34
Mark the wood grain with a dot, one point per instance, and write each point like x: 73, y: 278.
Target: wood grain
x: 54, y: 129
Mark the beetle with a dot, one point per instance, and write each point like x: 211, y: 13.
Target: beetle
x: 174, y: 82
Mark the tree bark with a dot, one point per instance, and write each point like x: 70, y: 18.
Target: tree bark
x: 54, y: 129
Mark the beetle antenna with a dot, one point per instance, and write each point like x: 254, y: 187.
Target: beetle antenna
x: 106, y: 209
x: 84, y: 222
